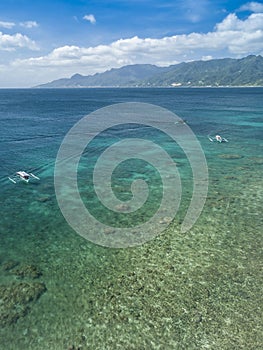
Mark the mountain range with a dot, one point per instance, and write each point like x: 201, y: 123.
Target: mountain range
x: 247, y: 71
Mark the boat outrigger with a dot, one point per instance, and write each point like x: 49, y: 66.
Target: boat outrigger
x: 217, y: 138
x: 22, y: 175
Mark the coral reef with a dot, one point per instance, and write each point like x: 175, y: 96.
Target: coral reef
x: 9, y: 265
x: 27, y: 271
x: 16, y: 300
x: 230, y: 156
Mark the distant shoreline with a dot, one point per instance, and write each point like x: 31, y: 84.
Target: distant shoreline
x: 153, y: 87
x: 215, y: 73
x: 132, y: 87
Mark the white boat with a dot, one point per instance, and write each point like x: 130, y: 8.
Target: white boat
x: 217, y: 138
x: 22, y: 175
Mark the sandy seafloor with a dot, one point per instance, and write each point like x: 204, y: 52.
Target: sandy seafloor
x: 196, y: 290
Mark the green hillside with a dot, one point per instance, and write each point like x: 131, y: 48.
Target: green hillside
x: 247, y: 71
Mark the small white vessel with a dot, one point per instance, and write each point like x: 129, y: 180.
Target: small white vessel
x: 22, y: 175
x: 217, y: 138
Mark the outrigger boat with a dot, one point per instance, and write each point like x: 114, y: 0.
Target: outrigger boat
x: 217, y: 138
x: 22, y: 175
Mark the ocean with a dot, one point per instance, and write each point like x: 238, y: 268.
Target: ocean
x: 199, y: 289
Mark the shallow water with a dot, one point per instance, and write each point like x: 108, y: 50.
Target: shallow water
x: 197, y: 290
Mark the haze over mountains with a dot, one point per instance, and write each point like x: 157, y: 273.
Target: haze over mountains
x: 247, y: 71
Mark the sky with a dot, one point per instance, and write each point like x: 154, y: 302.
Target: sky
x: 45, y: 40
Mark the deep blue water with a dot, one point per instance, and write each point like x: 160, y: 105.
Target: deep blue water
x: 32, y: 119
x: 33, y: 123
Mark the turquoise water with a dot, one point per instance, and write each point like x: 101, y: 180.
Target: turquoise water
x: 197, y: 290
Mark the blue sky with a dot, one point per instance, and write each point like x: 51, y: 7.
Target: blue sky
x: 45, y: 40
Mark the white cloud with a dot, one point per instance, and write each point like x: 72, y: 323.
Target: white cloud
x: 7, y: 25
x: 233, y: 23
x: 252, y: 6
x: 29, y: 24
x: 90, y: 18
x: 18, y: 40
x: 232, y: 37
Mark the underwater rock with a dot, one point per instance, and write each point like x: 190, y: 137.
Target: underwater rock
x: 165, y: 220
x: 230, y: 156
x: 73, y: 347
x: 241, y: 168
x: 9, y: 265
x: 30, y: 271
x: 109, y: 231
x: 44, y: 199
x: 16, y: 299
x: 230, y: 177
x: 256, y: 160
x: 122, y: 207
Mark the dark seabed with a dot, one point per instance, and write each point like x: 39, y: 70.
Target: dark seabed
x: 196, y: 290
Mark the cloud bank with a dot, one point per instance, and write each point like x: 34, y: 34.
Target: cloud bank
x: 252, y: 6
x: 232, y: 37
x: 18, y: 40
